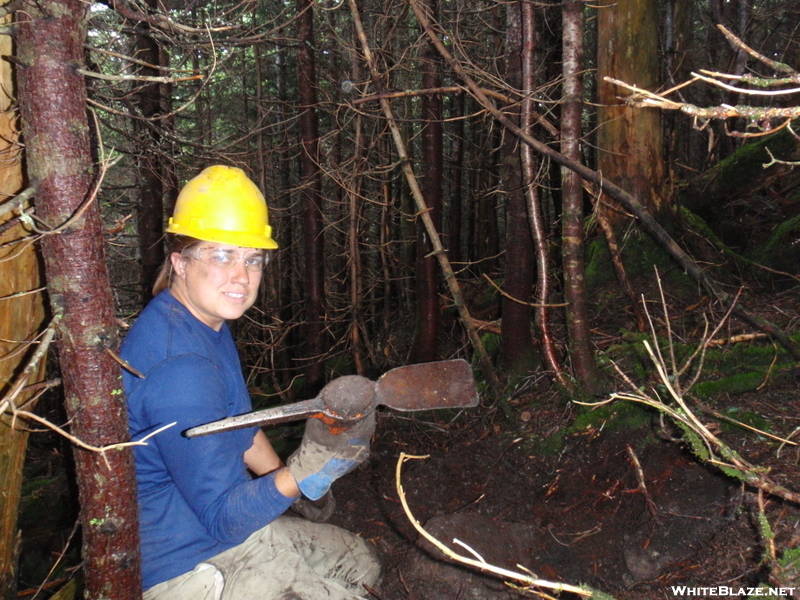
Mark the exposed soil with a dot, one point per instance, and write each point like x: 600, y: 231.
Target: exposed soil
x: 575, y: 508
x: 578, y: 516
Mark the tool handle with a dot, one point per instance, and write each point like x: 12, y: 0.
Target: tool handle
x: 277, y: 414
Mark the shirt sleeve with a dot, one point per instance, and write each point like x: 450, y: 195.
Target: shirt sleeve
x: 208, y: 471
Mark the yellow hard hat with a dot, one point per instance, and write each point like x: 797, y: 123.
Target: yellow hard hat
x: 222, y: 205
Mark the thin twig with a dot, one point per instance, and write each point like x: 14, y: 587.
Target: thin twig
x: 47, y: 337
x: 80, y: 443
x: 17, y: 201
x: 143, y: 78
x: 517, y: 300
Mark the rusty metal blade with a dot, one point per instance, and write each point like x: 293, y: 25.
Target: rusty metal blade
x: 275, y: 415
x: 424, y: 386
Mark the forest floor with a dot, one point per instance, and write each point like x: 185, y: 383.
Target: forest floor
x: 604, y: 497
x: 607, y: 497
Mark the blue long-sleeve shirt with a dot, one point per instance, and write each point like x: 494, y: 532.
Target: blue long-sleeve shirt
x: 196, y: 497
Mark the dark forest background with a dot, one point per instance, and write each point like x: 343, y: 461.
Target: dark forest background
x: 461, y: 178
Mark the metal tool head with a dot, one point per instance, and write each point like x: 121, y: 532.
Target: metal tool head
x: 424, y: 386
x: 349, y: 397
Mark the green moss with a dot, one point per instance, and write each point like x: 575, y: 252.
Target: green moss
x: 735, y: 384
x: 615, y: 416
x: 780, y: 252
x: 641, y: 257
x: 698, y: 225
x: 746, y: 417
x: 491, y: 343
x: 736, y: 171
x: 551, y: 445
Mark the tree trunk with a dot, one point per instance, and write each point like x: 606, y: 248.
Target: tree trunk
x: 580, y: 344
x: 629, y: 139
x: 426, y: 342
x: 313, y: 239
x: 456, y: 174
x: 151, y: 169
x: 54, y: 122
x: 20, y: 319
x: 517, y: 336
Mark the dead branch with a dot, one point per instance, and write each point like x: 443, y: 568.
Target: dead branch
x: 17, y: 413
x: 706, y: 446
x: 17, y: 201
x: 775, y: 161
x: 737, y: 43
x: 8, y: 401
x: 708, y: 77
x: 159, y: 20
x: 144, y: 78
x: 642, y: 98
x: 737, y: 339
x: 477, y: 562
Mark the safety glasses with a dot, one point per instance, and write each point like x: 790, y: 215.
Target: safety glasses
x: 228, y: 258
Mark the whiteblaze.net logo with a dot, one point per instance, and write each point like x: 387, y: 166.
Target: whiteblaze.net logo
x: 723, y: 591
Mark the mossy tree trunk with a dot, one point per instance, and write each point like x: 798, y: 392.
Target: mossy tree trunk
x: 52, y: 99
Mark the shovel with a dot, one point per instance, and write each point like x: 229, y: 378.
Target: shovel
x: 423, y: 386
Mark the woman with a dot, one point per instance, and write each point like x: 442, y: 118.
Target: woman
x: 210, y: 507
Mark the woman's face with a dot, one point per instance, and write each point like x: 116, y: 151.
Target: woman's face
x: 217, y: 282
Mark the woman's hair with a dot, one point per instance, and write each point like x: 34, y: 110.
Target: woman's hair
x: 175, y: 243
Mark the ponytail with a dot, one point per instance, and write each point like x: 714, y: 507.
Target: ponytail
x: 175, y: 243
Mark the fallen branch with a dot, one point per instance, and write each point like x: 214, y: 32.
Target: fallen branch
x: 706, y: 446
x: 478, y: 562
x: 737, y: 339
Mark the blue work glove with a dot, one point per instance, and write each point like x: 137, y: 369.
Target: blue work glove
x: 325, y: 455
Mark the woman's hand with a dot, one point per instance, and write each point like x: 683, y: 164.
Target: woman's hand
x: 324, y: 456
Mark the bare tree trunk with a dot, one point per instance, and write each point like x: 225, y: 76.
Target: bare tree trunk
x: 21, y: 317
x: 313, y: 244
x: 517, y: 335
x: 354, y: 251
x: 580, y: 344
x: 426, y: 342
x: 629, y: 138
x: 53, y: 112
x: 535, y: 214
x: 151, y: 173
x: 456, y: 187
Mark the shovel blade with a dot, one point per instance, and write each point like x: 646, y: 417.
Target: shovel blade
x: 426, y: 386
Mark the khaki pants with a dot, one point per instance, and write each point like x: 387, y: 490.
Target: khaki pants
x: 289, y: 559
